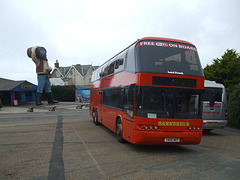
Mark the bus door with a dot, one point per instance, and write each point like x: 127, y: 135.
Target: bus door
x: 100, y: 100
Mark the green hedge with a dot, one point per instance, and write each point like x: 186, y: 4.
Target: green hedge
x: 1, y: 105
x: 234, y: 106
x: 64, y: 93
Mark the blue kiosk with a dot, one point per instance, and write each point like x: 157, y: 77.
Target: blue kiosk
x: 16, y: 92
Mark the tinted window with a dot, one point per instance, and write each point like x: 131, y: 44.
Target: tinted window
x: 154, y: 102
x: 209, y: 92
x: 168, y: 60
x: 170, y: 81
x: 130, y: 60
x: 112, y: 97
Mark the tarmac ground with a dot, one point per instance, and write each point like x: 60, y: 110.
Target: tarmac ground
x: 26, y: 107
x: 66, y: 144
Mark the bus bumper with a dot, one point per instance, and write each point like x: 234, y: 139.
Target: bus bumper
x: 214, y: 124
x: 159, y: 138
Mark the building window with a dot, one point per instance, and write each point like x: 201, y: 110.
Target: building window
x: 57, y: 74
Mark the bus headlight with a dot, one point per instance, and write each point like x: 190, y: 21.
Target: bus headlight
x: 194, y: 128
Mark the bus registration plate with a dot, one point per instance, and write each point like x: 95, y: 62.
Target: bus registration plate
x: 212, y: 123
x: 172, y: 140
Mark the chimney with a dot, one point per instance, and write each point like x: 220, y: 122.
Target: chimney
x: 56, y: 64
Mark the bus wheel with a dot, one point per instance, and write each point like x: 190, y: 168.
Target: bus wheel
x: 95, y: 117
x: 119, y: 131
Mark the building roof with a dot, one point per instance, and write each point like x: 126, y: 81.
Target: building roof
x: 10, y: 85
x: 82, y: 69
x: 63, y: 70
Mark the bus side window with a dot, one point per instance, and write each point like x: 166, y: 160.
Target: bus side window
x: 119, y: 62
x: 130, y: 60
x: 119, y: 65
x: 111, y: 68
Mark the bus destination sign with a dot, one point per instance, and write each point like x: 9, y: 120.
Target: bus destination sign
x: 166, y: 44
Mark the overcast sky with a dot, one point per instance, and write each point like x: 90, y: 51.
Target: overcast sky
x: 92, y: 31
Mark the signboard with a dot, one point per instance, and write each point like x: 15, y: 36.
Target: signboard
x: 82, y: 95
x: 26, y: 87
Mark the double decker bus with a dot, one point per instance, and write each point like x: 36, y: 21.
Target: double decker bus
x: 150, y: 93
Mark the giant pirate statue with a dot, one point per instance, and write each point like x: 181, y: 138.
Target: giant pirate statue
x: 39, y: 57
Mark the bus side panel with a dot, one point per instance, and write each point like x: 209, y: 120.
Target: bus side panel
x: 116, y: 80
x: 93, y: 103
x: 128, y: 126
x: 214, y: 117
x: 109, y: 118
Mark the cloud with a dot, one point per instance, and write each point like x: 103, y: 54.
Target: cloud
x: 85, y: 32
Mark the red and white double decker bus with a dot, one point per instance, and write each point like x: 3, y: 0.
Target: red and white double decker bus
x: 150, y: 93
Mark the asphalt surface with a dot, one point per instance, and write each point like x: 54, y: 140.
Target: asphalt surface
x: 25, y: 108
x: 65, y: 144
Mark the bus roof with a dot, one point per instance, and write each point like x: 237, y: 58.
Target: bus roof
x: 164, y: 39
x: 213, y: 84
x: 149, y: 38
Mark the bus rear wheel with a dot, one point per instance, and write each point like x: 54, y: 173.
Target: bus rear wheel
x: 119, y: 131
x: 95, y: 117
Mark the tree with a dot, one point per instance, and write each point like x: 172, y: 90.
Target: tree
x: 225, y: 70
x: 234, y: 106
x: 64, y: 93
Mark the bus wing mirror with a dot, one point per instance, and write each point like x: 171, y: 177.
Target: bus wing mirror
x: 131, y: 86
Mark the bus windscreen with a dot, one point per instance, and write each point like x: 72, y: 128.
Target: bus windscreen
x: 168, y: 58
x: 171, y: 103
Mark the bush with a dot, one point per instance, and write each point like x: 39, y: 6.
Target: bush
x: 64, y: 93
x: 1, y: 105
x: 234, y: 106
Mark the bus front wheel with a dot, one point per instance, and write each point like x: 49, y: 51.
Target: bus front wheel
x: 119, y: 131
